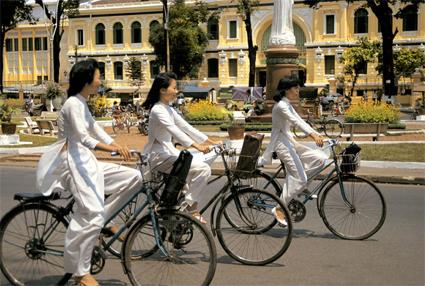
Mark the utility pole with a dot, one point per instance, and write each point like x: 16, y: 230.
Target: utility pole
x: 76, y: 53
x: 165, y: 18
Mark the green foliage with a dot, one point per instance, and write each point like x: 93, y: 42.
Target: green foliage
x: 6, y: 111
x: 134, y: 72
x: 356, y: 57
x: 205, y: 111
x: 53, y: 90
x: 97, y: 105
x: 187, y: 40
x: 13, y: 12
x: 406, y: 61
x: 372, y: 113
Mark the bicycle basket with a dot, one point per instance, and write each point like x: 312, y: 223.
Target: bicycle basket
x: 349, y: 159
x: 247, y: 162
x: 176, y: 180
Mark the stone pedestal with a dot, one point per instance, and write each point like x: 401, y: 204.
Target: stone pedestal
x: 9, y: 139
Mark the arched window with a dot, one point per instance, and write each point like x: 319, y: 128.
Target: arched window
x: 102, y: 70
x: 410, y: 18
x: 213, y: 28
x: 118, y: 71
x: 118, y: 35
x: 100, y: 34
x: 153, y: 25
x: 136, y: 32
x: 213, y: 68
x: 361, y: 21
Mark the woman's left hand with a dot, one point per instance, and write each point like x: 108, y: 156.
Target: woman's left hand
x: 317, y: 138
x: 213, y: 142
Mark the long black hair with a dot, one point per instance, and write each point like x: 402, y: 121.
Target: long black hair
x: 162, y: 80
x: 81, y: 73
x: 283, y: 85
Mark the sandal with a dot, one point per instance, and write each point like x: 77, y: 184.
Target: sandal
x: 279, y: 216
x: 111, y: 231
x: 86, y: 280
x: 199, y: 217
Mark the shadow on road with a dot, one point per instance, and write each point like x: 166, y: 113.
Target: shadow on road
x: 306, y: 233
x: 229, y: 260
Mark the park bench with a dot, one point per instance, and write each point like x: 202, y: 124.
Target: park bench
x: 374, y: 130
x: 49, y: 115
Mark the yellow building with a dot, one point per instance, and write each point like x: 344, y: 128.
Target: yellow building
x: 112, y: 31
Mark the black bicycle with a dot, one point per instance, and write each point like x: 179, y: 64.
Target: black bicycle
x: 332, y: 127
x: 32, y: 241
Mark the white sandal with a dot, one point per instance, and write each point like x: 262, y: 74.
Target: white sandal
x: 282, y: 221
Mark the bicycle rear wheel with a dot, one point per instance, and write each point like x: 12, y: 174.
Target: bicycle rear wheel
x: 32, y: 240
x: 361, y: 216
x: 333, y: 128
x: 191, y: 256
x: 248, y: 231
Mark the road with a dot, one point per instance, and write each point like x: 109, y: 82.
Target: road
x: 393, y: 256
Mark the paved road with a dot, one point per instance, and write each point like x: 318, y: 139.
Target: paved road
x: 394, y: 256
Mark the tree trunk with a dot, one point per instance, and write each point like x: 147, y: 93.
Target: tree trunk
x: 2, y: 36
x: 56, y: 55
x: 252, y: 50
x: 356, y: 76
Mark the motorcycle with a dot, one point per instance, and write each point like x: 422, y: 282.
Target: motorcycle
x: 143, y: 125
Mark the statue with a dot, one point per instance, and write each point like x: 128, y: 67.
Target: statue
x: 282, y: 32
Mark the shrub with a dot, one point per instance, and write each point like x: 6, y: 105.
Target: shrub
x: 372, y: 113
x: 97, y: 105
x: 53, y: 90
x: 203, y: 110
x: 14, y: 103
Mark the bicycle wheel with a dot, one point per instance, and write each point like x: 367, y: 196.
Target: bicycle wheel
x: 191, y: 255
x: 258, y: 239
x: 121, y: 219
x: 361, y: 216
x: 32, y: 240
x: 298, y: 133
x: 333, y: 128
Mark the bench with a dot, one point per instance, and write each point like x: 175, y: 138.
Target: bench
x: 49, y: 115
x: 374, y: 130
x: 45, y: 124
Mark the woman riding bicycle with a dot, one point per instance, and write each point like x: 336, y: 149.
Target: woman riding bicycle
x: 299, y: 160
x: 70, y: 165
x: 166, y: 124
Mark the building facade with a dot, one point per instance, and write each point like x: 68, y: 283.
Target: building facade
x: 113, y: 31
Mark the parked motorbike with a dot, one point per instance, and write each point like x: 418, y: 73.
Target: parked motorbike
x: 143, y: 125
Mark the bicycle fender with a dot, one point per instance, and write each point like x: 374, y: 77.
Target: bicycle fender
x: 212, y: 224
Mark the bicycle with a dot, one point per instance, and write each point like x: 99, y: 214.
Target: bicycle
x: 122, y: 121
x: 244, y: 224
x: 345, y: 201
x: 32, y: 241
x: 332, y: 128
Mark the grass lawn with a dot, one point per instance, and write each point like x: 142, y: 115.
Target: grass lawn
x: 393, y: 152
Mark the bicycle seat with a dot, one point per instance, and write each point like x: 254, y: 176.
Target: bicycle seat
x: 36, y: 197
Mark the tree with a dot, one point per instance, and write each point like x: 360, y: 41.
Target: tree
x: 245, y: 9
x: 355, y: 59
x: 187, y: 40
x: 12, y: 12
x: 406, y: 61
x: 135, y: 73
x: 383, y: 11
x: 64, y: 8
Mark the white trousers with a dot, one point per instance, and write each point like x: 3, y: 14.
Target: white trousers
x: 197, y: 177
x: 300, y: 162
x: 88, y: 219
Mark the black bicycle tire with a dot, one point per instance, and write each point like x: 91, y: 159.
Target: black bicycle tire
x: 301, y: 134
x: 353, y: 237
x: 221, y: 239
x: 9, y: 218
x: 139, y: 224
x: 336, y: 121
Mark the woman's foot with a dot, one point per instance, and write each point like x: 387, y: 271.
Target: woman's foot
x: 112, y: 230
x: 280, y: 216
x: 193, y: 210
x: 86, y: 280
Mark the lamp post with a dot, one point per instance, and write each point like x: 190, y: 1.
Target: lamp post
x: 166, y: 36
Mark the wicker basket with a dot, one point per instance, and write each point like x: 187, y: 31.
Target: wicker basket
x: 247, y: 159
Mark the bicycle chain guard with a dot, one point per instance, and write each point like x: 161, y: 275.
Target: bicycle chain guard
x: 297, y: 210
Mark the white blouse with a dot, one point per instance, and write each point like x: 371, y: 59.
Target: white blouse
x: 78, y: 133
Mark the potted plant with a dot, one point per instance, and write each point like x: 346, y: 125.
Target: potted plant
x: 54, y: 95
x: 6, y: 111
x: 236, y: 128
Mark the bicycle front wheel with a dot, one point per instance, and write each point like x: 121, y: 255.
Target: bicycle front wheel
x: 248, y: 231
x: 189, y: 258
x: 32, y: 240
x: 333, y: 128
x: 357, y: 216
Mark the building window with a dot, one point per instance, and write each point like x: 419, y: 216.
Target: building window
x: 39, y: 79
x: 136, y: 32
x: 9, y: 45
x: 233, y: 67
x: 100, y: 34
x: 102, y: 70
x: 154, y: 25
x: 118, y: 37
x: 24, y: 44
x: 329, y: 64
x: 410, y: 19
x: 233, y: 30
x: 80, y: 37
x: 330, y: 24
x: 212, y: 67
x: 30, y: 44
x: 154, y: 68
x: 45, y: 44
x: 360, y: 92
x: 361, y: 21
x: 37, y: 44
x: 46, y: 78
x: 15, y: 44
x: 212, y: 28
x: 118, y: 71
x: 362, y: 68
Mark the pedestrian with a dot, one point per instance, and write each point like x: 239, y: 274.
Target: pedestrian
x: 300, y: 161
x: 167, y: 125
x: 70, y: 165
